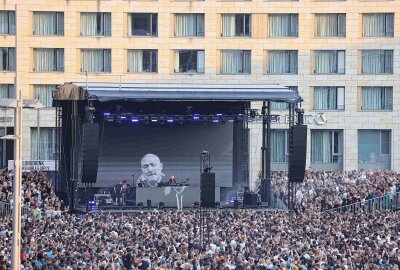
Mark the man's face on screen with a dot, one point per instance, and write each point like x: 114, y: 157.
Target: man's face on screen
x: 152, y: 168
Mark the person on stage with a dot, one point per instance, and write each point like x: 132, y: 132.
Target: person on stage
x: 151, y: 171
x: 172, y: 181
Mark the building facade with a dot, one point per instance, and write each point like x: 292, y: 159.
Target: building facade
x: 343, y: 57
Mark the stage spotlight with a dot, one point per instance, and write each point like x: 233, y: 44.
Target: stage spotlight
x: 122, y: 117
x: 140, y: 204
x: 170, y: 119
x: 154, y: 119
x: 146, y: 120
x: 215, y: 119
x: 107, y: 114
x: 135, y: 119
x: 196, y: 204
x: 219, y: 114
x: 196, y: 117
x: 161, y: 120
x: 181, y: 119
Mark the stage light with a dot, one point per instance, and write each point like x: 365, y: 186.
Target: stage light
x: 170, y: 119
x: 161, y: 120
x: 140, y: 204
x: 122, y: 117
x: 219, y: 114
x: 154, y: 119
x: 215, y: 119
x: 196, y: 204
x: 181, y: 119
x: 196, y: 117
x: 135, y: 119
x: 231, y: 120
x: 107, y: 114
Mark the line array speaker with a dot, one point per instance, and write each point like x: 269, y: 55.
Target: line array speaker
x: 297, y: 153
x: 207, y: 190
x: 90, y: 152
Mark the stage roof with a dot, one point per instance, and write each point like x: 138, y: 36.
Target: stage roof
x: 104, y: 92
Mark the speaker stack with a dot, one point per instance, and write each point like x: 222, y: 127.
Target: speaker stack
x: 207, y: 190
x: 90, y: 152
x: 297, y: 153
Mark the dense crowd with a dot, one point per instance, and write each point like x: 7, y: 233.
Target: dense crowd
x: 332, y: 189
x: 238, y: 239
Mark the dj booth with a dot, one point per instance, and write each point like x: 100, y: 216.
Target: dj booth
x: 186, y: 195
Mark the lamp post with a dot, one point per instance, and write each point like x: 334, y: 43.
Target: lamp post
x: 18, y: 104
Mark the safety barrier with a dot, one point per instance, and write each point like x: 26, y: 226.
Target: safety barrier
x: 6, y: 210
x: 390, y: 201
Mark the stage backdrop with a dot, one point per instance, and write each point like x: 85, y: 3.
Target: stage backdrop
x: 177, y: 146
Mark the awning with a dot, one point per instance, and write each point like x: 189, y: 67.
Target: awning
x: 176, y: 92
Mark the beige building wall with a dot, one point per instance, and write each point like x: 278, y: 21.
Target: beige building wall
x: 349, y: 120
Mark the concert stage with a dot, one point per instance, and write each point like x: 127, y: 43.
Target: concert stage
x: 143, y: 134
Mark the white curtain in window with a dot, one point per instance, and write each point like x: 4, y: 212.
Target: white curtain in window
x: 330, y: 25
x: 44, y: 23
x: 321, y: 146
x: 278, y: 146
x: 246, y: 62
x: 377, y: 24
x: 325, y: 62
x: 94, y: 60
x: 135, y: 61
x: 373, y: 61
x: 3, y: 22
x: 325, y: 98
x: 228, y: 25
x: 371, y: 98
x: 7, y: 91
x: 88, y: 23
x: 278, y: 62
x: 45, y: 93
x: 231, y: 62
x: 185, y: 25
x: 46, y: 144
x: 200, y: 61
x: 43, y: 60
x: 282, y: 25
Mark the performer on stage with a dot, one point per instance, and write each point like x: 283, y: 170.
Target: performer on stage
x: 124, y: 190
x: 172, y: 181
x: 151, y: 171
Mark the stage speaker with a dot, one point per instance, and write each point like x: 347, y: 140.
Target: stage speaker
x: 90, y: 152
x: 250, y: 199
x: 297, y: 153
x: 149, y: 203
x: 207, y: 190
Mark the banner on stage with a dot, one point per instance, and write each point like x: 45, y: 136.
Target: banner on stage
x: 35, y: 165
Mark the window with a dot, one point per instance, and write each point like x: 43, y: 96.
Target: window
x: 7, y: 59
x: 44, y: 92
x: 236, y: 25
x: 329, y: 62
x: 378, y: 24
x: 377, y: 61
x: 142, y: 24
x: 189, y: 25
x: 326, y: 146
x: 142, y: 60
x: 283, y: 25
x: 48, y: 23
x: 234, y: 62
x: 279, y: 146
x: 328, y: 98
x: 376, y: 98
x: 282, y: 62
x: 283, y: 105
x: 330, y: 25
x: 95, y: 60
x: 7, y: 91
x: 188, y: 61
x: 95, y: 24
x: 7, y: 22
x: 44, y: 147
x: 374, y: 147
x: 48, y: 59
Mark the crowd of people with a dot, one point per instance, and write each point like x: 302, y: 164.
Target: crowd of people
x: 236, y: 239
x: 323, y: 190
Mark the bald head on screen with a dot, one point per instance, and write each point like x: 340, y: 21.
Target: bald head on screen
x: 151, y: 167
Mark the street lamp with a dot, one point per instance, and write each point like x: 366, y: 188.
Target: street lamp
x: 18, y: 104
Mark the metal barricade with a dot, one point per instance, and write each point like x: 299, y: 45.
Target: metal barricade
x: 6, y: 210
x: 390, y: 201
